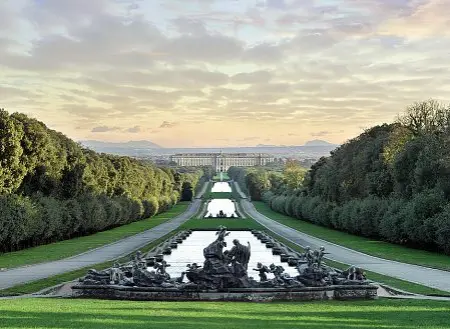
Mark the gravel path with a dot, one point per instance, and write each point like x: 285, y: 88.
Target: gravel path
x: 413, y: 273
x: 20, y: 275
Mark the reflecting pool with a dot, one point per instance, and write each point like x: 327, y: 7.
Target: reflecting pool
x: 226, y: 205
x: 191, y: 251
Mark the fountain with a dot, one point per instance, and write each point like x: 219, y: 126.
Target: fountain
x: 226, y: 274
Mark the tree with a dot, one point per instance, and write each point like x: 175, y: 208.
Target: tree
x: 12, y: 170
x: 294, y: 174
x: 186, y: 192
x: 425, y: 117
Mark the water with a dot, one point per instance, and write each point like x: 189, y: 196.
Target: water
x: 221, y: 187
x: 226, y: 205
x: 191, y: 251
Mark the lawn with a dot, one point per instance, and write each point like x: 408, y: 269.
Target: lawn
x: 224, y: 177
x: 69, y: 313
x: 67, y: 248
x: 214, y: 223
x: 369, y: 246
x: 217, y: 195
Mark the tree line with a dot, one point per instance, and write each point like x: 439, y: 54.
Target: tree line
x: 392, y: 182
x: 51, y: 188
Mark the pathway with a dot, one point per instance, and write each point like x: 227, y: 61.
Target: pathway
x: 102, y: 254
x: 203, y: 190
x: 413, y: 273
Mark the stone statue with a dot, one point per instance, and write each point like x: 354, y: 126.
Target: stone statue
x: 321, y: 254
x: 308, y: 256
x: 161, y: 268
x: 240, y: 253
x: 222, y: 233
x: 116, y: 274
x: 277, y: 272
x: 262, y: 269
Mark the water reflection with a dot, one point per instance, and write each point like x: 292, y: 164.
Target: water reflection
x: 191, y: 251
x: 221, y: 187
x: 226, y: 205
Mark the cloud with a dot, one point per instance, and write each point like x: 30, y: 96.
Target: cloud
x: 324, y: 133
x: 104, y: 129
x: 308, y: 67
x: 167, y: 124
x: 134, y: 130
x: 276, y: 4
x: 251, y: 77
x: 425, y: 20
x: 263, y: 53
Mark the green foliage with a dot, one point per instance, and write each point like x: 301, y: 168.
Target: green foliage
x: 293, y: 175
x: 12, y: 170
x: 53, y: 189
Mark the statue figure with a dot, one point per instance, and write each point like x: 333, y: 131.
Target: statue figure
x: 138, y: 256
x: 321, y: 254
x: 308, y: 255
x: 161, y: 268
x: 262, y: 269
x: 240, y: 253
x: 226, y: 257
x: 222, y: 233
x: 277, y: 272
x: 116, y: 274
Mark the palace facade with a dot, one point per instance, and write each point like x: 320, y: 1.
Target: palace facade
x: 222, y: 161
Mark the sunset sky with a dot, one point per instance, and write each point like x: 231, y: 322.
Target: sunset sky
x: 193, y: 73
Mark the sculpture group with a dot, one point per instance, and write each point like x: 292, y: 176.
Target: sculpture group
x: 224, y: 269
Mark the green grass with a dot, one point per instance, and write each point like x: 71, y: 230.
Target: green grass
x: 224, y: 177
x: 81, y: 313
x: 369, y: 246
x: 214, y: 223
x: 68, y: 248
x: 35, y: 286
x: 217, y: 195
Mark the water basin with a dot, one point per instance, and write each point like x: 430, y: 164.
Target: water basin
x: 221, y: 187
x: 191, y: 251
x: 226, y: 205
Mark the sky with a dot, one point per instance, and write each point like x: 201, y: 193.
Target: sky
x: 203, y: 73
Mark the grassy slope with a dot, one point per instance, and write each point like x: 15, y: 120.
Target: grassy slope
x: 214, y: 223
x: 369, y: 246
x: 66, y: 313
x: 224, y: 177
x: 217, y: 195
x: 67, y: 248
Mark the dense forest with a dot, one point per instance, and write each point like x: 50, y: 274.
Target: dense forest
x: 391, y: 183
x: 52, y: 189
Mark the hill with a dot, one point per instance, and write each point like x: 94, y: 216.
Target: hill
x: 319, y: 142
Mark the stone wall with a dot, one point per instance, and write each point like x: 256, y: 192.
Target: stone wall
x: 344, y: 292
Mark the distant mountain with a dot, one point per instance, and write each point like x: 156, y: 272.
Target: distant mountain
x: 267, y: 145
x: 125, y: 148
x: 133, y: 144
x: 318, y: 142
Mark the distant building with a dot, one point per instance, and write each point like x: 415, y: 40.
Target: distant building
x: 222, y: 161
